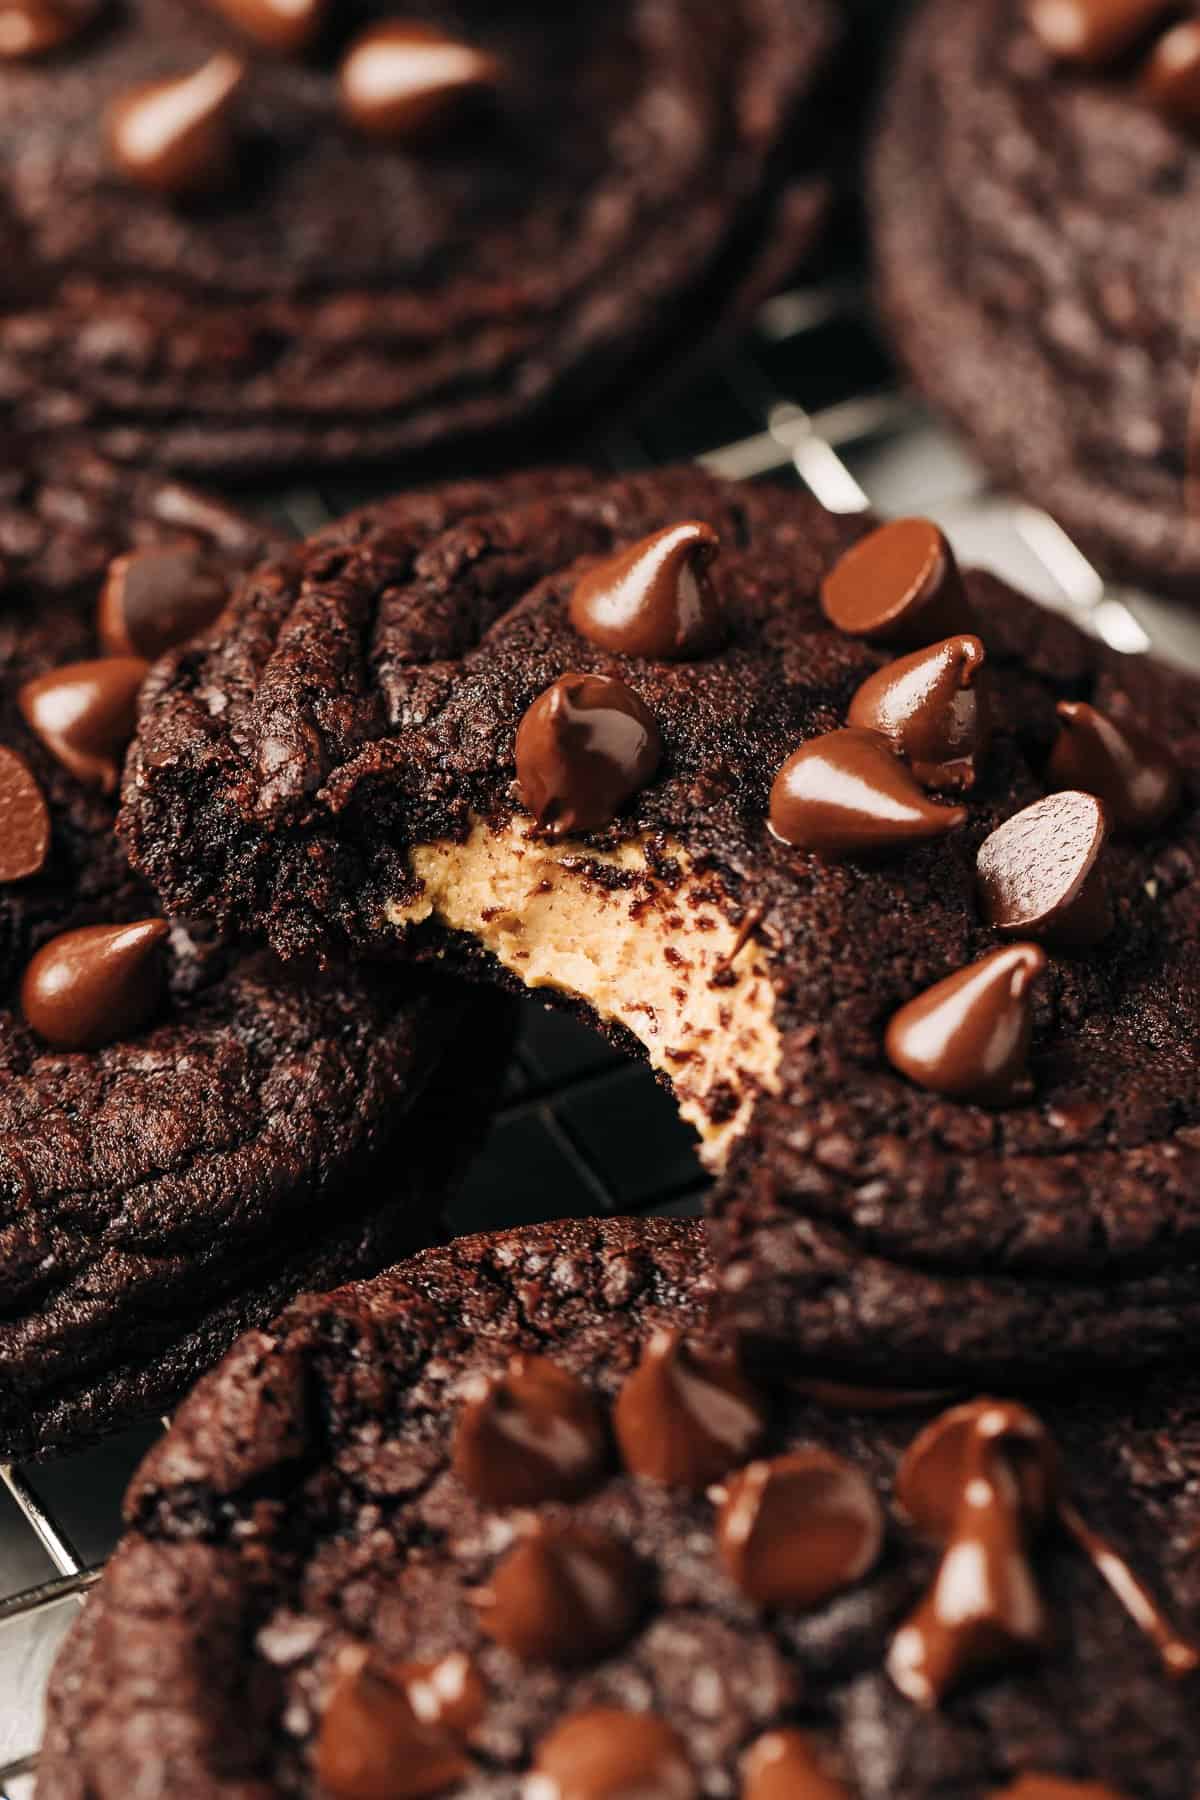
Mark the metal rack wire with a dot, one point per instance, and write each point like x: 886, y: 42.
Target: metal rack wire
x: 808, y: 396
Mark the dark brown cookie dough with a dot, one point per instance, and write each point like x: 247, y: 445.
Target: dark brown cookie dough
x: 312, y: 1506
x: 247, y: 1137
x: 632, y: 174
x: 1035, y: 236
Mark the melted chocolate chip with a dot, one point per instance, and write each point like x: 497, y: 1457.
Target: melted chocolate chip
x: 606, y: 1754
x: 1093, y: 32
x: 85, y: 714
x: 35, y: 27
x: 285, y: 25
x: 373, y: 1746
x: 968, y: 1036
x: 848, y: 794
x: 932, y: 707
x: 157, y: 597
x: 583, y: 748
x: 534, y: 1433
x: 564, y: 1595
x: 1171, y: 75
x: 797, y: 1529
x: 654, y: 599
x: 687, y: 1414
x: 1041, y: 873
x: 1132, y: 772
x: 783, y: 1765
x: 1053, y: 1787
x: 24, y: 819
x: 406, y: 80
x: 93, y: 987
x: 176, y: 136
x: 898, y: 585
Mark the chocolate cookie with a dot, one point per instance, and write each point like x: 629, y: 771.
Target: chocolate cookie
x: 188, y: 1136
x: 249, y: 234
x: 509, y: 1521
x: 1035, y: 229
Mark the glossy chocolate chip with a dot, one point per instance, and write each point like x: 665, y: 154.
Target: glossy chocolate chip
x: 406, y: 81
x: 898, y: 585
x: 36, y: 27
x: 607, y: 1754
x: 785, y: 1765
x: 372, y: 1745
x: 95, y: 986
x: 285, y: 25
x: 176, y: 136
x: 565, y: 1595
x: 1093, y: 32
x: 933, y: 709
x: 687, y: 1414
x: 848, y: 794
x: 935, y: 1467
x: 1054, y: 1787
x: 533, y: 1433
x: 1041, y: 874
x: 24, y: 819
x: 583, y: 749
x: 1128, y: 768
x: 1171, y: 75
x: 85, y: 714
x: 654, y: 599
x: 157, y: 597
x: 793, y: 1531
x: 968, y: 1036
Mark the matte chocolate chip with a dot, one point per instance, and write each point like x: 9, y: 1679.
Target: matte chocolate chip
x: 95, y: 986
x: 1093, y: 32
x: 406, y: 80
x: 606, y: 1754
x: 848, y: 794
x: 968, y: 1036
x: 1041, y: 873
x: 176, y: 136
x: 35, y: 27
x: 155, y: 598
x: 1130, y: 770
x: 797, y: 1529
x: 1171, y: 75
x: 24, y: 819
x: 1054, y: 1787
x: 687, y: 1414
x: 534, y: 1433
x: 932, y: 707
x: 583, y: 748
x: 564, y: 1595
x: 372, y: 1745
x: 654, y: 599
x: 784, y: 1765
x: 85, y: 713
x: 898, y: 585
x: 285, y: 25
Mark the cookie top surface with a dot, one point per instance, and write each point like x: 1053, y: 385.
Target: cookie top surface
x: 1035, y: 226
x: 339, y: 291
x: 318, y: 1498
x: 356, y: 714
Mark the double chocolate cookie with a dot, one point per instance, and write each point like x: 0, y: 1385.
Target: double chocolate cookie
x: 1034, y: 211
x: 245, y: 234
x: 511, y: 1521
x: 188, y: 1135
x: 746, y: 786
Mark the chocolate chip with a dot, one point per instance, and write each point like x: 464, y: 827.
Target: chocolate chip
x: 564, y: 1595
x: 934, y: 1469
x: 968, y: 1036
x: 448, y: 1693
x: 1053, y: 1787
x: 35, y: 27
x: 176, y: 136
x: 157, y: 597
x: 407, y: 80
x: 372, y: 1745
x: 1093, y: 32
x: 583, y: 748
x: 85, y: 713
x: 1171, y: 75
x: 1130, y: 770
x: 534, y: 1433
x: 847, y: 794
x: 1041, y: 873
x: 606, y: 1754
x: 24, y: 819
x: 784, y: 1765
x: 933, y: 709
x: 898, y: 585
x: 797, y: 1529
x: 687, y: 1414
x: 95, y: 986
x: 654, y: 599
x: 285, y: 25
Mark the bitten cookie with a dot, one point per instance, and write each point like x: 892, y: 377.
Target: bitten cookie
x: 188, y: 1135
x: 243, y: 235
x: 510, y: 1521
x: 1033, y: 204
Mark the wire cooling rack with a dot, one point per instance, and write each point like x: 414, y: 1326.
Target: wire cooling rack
x: 808, y: 396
